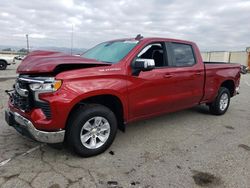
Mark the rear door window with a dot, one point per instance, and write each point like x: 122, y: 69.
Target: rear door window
x: 183, y: 55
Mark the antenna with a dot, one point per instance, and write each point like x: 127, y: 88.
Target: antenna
x: 139, y: 37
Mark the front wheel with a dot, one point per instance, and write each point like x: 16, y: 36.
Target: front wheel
x: 221, y: 103
x: 91, y: 129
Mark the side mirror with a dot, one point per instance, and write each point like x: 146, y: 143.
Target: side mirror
x: 143, y: 64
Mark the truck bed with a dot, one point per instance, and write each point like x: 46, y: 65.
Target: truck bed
x: 222, y: 65
x: 216, y: 71
x: 217, y: 62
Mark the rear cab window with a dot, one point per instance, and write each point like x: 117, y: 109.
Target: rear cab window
x: 183, y: 55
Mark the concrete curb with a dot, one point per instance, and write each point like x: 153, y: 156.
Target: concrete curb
x: 4, y: 78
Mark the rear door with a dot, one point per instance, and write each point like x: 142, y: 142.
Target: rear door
x: 188, y: 75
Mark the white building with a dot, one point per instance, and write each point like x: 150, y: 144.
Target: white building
x: 229, y: 57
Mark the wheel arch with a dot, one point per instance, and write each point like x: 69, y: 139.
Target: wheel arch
x: 230, y: 85
x: 111, y: 101
x: 4, y: 61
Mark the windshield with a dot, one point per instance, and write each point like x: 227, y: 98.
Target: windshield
x: 111, y: 52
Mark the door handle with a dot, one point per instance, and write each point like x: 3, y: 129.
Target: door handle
x: 168, y: 76
x: 198, y: 73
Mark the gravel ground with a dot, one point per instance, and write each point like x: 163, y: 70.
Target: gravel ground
x: 190, y: 148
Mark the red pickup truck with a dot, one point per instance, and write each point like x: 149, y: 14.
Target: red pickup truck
x: 84, y: 100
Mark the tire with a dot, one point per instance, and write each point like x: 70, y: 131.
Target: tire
x: 221, y: 103
x: 84, y: 124
x: 3, y: 65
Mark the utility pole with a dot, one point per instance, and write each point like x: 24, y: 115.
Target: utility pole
x: 28, y: 46
x: 72, y: 32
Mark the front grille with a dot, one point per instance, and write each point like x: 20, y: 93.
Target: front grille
x: 22, y: 102
x: 45, y: 108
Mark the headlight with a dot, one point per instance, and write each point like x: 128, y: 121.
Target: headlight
x: 47, y: 86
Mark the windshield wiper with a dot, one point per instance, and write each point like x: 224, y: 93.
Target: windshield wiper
x: 105, y: 61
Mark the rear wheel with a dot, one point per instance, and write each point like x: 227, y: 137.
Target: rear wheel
x: 3, y: 65
x: 91, y: 129
x: 221, y: 103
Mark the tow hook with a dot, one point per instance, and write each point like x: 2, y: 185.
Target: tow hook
x: 9, y: 92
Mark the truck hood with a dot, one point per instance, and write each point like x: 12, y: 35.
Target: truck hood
x: 54, y: 62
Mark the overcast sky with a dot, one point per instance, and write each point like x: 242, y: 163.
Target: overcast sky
x: 212, y: 24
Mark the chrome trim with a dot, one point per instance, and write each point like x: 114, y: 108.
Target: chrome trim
x: 36, y: 94
x: 30, y: 80
x: 41, y: 136
x: 20, y: 91
x: 40, y: 80
x: 148, y: 62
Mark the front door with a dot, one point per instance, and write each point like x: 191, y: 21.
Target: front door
x: 151, y: 92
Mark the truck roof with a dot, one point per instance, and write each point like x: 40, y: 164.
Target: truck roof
x: 152, y: 39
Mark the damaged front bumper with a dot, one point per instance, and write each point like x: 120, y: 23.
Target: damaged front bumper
x: 26, y: 128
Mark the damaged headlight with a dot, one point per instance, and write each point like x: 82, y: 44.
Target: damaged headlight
x: 49, y: 85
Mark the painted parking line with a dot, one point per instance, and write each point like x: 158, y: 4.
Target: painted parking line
x: 5, y: 162
x: 2, y: 163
